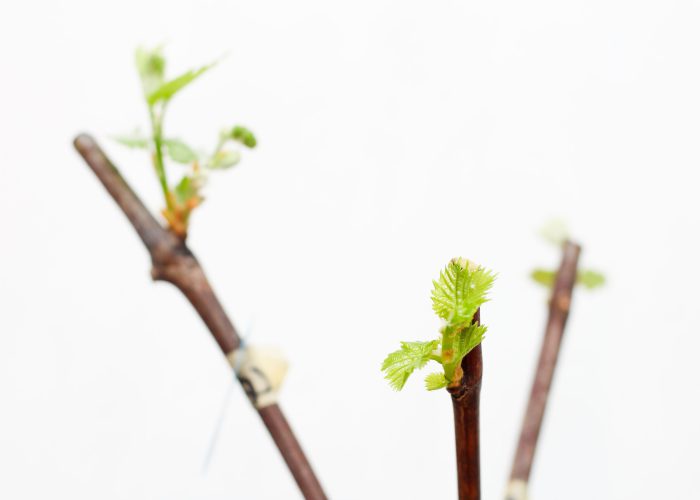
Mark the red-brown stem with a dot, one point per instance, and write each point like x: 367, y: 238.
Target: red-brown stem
x: 465, y: 403
x: 559, y: 306
x: 174, y: 262
x: 292, y: 453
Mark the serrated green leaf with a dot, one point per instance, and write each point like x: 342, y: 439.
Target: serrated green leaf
x: 435, y: 381
x: 179, y: 152
x: 168, y: 89
x: 244, y: 136
x: 224, y: 159
x: 134, y: 140
x: 590, y: 279
x: 460, y: 291
x: 399, y: 365
x: 151, y: 68
x: 544, y: 277
x: 468, y: 339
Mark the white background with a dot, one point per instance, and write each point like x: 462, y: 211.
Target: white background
x: 392, y: 137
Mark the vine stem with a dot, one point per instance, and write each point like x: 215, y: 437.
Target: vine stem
x: 559, y: 305
x: 159, y: 162
x: 173, y: 262
x: 465, y: 405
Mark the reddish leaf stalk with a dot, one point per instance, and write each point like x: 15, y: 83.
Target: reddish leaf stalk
x: 559, y: 306
x: 174, y: 262
x: 465, y: 403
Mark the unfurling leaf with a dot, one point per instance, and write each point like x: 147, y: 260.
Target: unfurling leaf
x: 168, y: 89
x: 134, y: 140
x: 244, y: 136
x: 185, y: 190
x: 435, y: 381
x: 179, y: 152
x: 457, y: 342
x: 399, y: 365
x: 460, y: 291
x: 544, y: 277
x: 224, y: 159
x: 590, y: 279
x: 468, y: 338
x: 151, y: 68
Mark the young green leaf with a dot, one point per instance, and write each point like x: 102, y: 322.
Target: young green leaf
x: 544, y: 277
x: 399, y: 365
x: 435, y: 381
x: 590, y: 279
x: 460, y: 291
x: 168, y: 89
x: 186, y: 189
x: 457, y: 342
x: 244, y: 136
x: 151, y: 68
x: 224, y: 159
x: 179, y: 152
x: 134, y: 140
x: 468, y: 338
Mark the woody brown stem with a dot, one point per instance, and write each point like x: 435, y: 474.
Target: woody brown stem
x: 559, y: 306
x: 465, y: 404
x: 173, y: 262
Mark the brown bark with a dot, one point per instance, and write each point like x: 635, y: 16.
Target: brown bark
x: 465, y: 404
x: 173, y: 262
x: 292, y: 453
x: 559, y: 306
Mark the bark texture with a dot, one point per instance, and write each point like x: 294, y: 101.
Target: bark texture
x: 559, y: 305
x: 173, y: 262
x: 465, y: 404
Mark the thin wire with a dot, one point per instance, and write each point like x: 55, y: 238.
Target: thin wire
x: 217, y: 429
x: 222, y: 413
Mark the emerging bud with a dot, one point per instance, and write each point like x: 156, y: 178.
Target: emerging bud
x: 465, y: 264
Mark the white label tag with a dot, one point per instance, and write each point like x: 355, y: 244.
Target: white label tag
x: 261, y: 371
x: 517, y: 490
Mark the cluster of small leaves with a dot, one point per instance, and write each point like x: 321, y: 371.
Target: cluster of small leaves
x: 185, y: 195
x: 556, y: 233
x: 457, y: 294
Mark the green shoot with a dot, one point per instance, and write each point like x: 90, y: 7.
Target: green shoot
x: 460, y: 290
x: 556, y: 233
x: 185, y: 195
